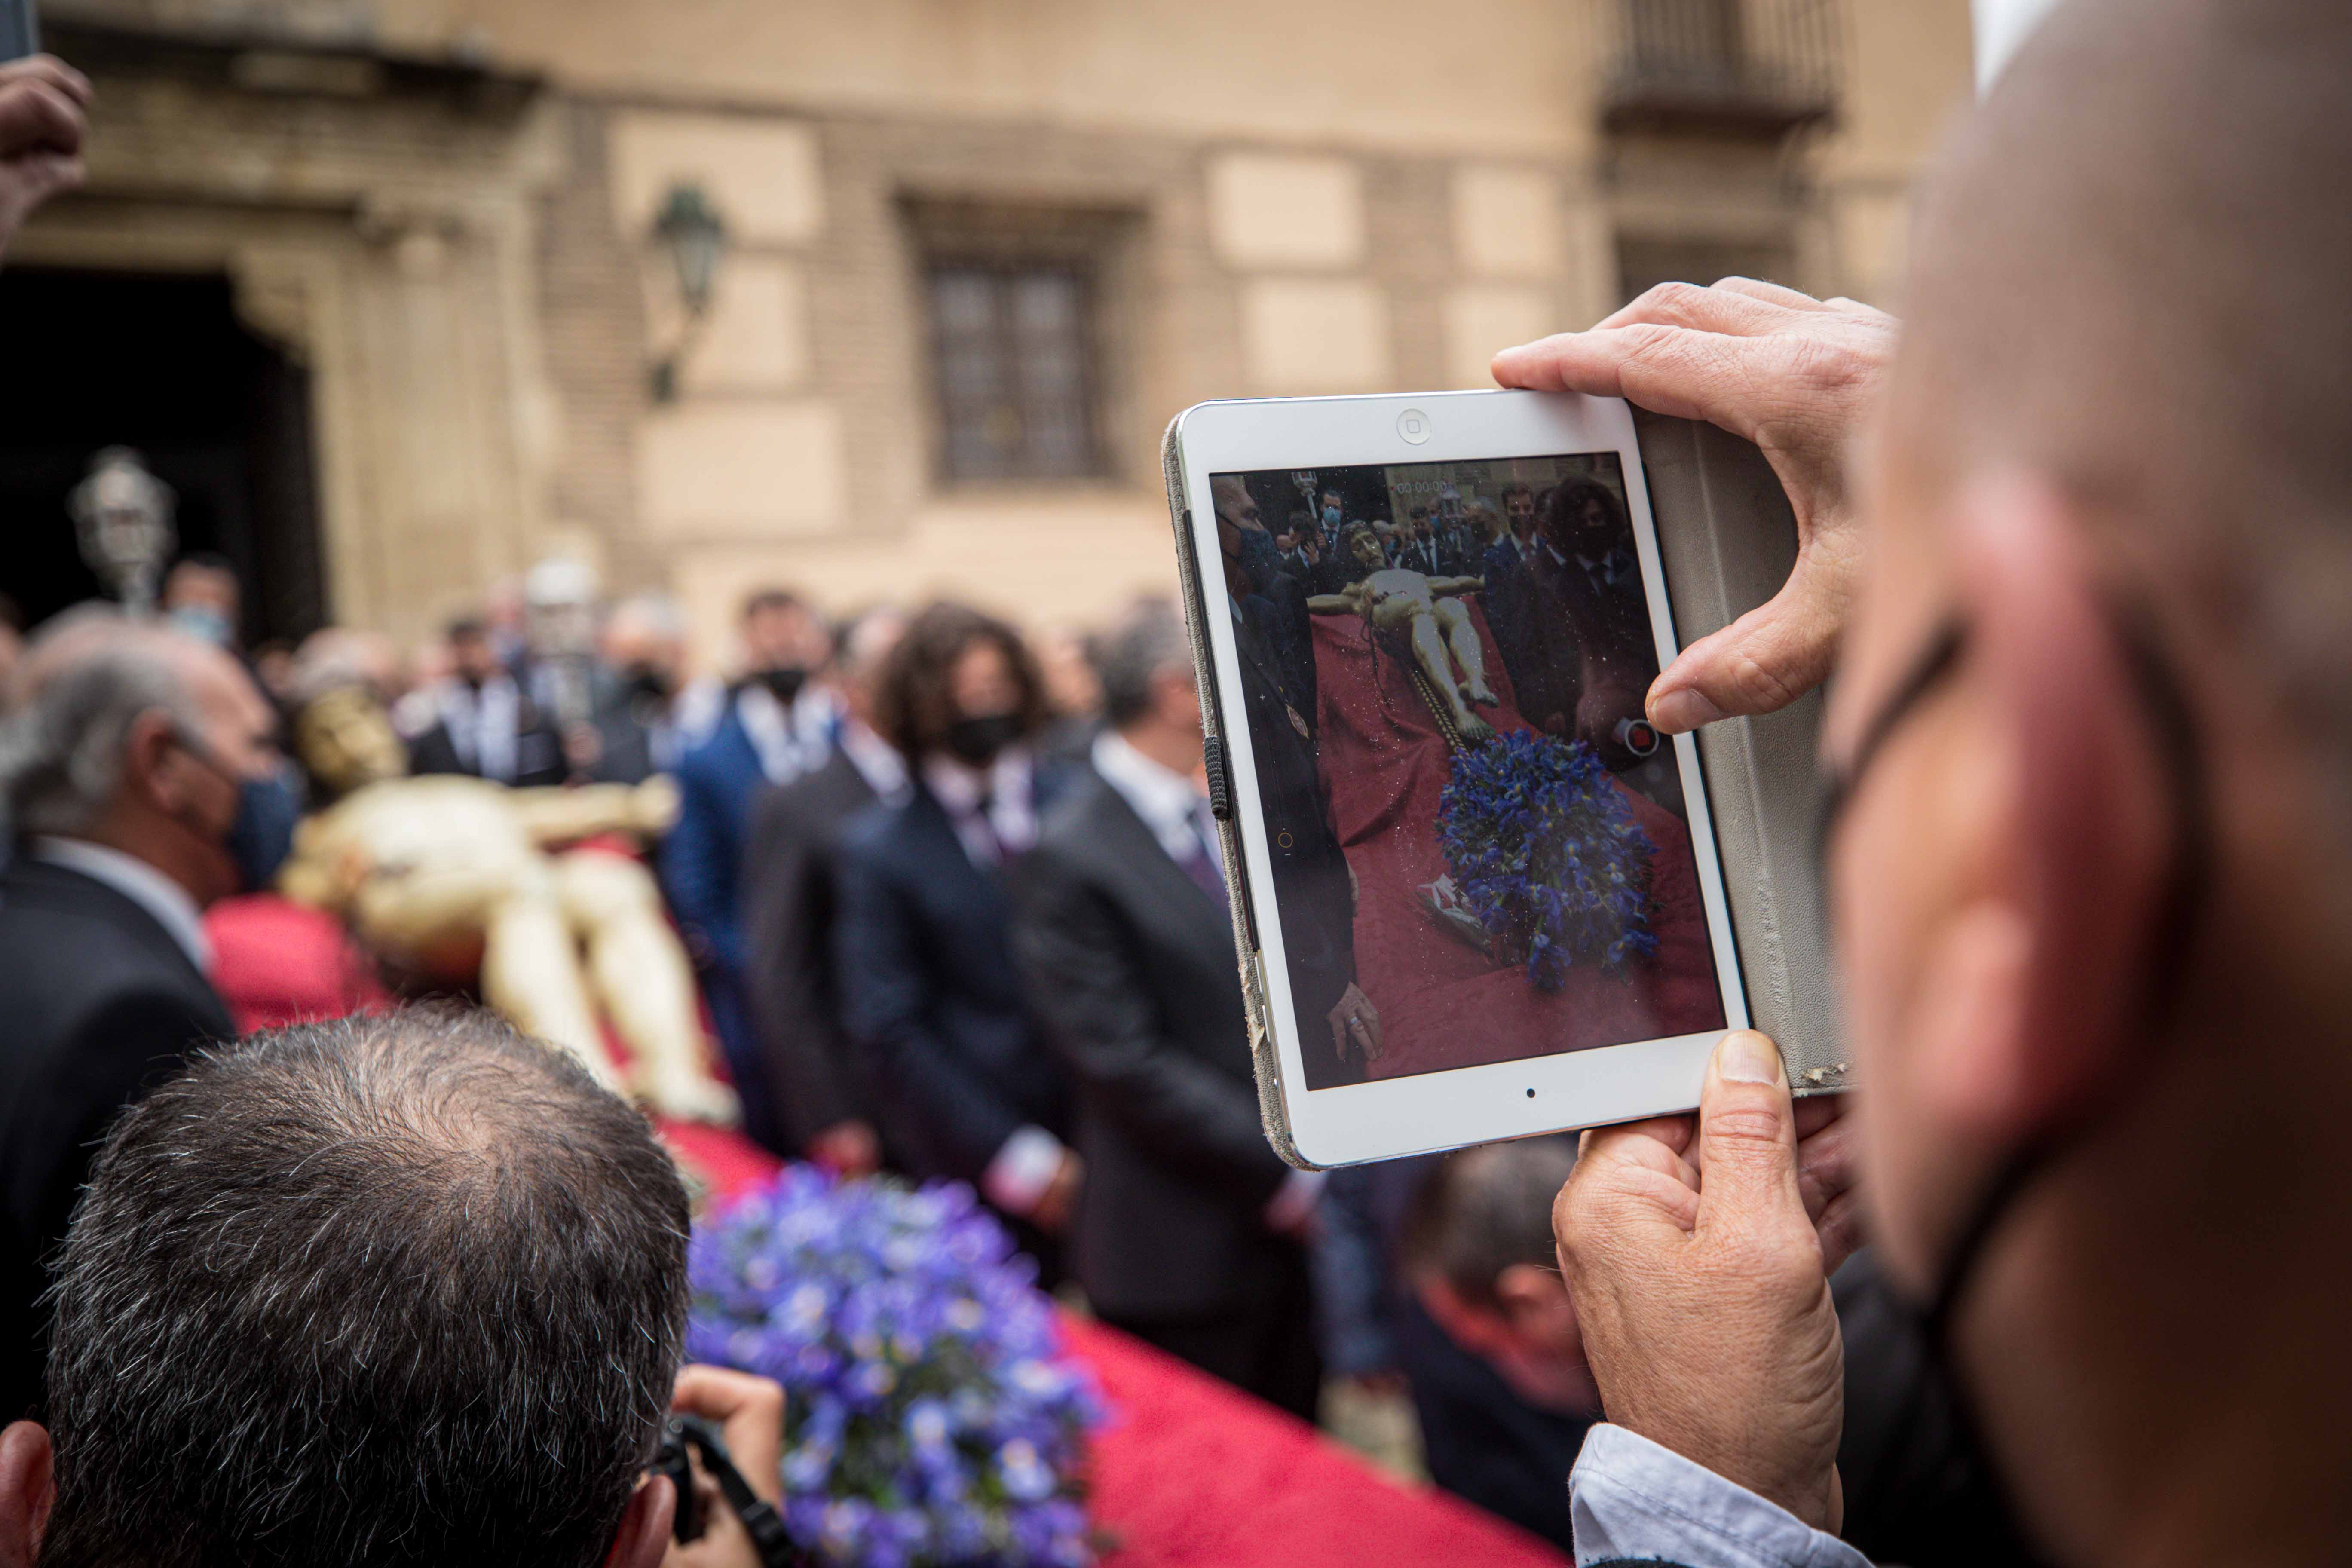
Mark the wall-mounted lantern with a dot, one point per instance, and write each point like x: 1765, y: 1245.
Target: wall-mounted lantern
x: 694, y: 233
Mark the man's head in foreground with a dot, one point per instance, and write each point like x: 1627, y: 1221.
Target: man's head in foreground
x: 1477, y: 1251
x: 406, y: 1289
x: 2094, y: 727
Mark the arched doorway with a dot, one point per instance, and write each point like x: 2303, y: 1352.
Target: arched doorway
x: 160, y: 363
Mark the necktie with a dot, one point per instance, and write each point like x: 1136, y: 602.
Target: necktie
x: 1204, y: 867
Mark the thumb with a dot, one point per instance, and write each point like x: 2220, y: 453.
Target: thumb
x: 1759, y: 664
x: 1746, y: 1139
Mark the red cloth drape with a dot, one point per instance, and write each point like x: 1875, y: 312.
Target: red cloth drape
x: 1443, y: 1003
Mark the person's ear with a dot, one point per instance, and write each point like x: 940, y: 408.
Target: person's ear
x: 1480, y: 1331
x: 1535, y: 1299
x: 27, y: 1488
x: 153, y: 762
x: 2033, y: 989
x: 644, y: 1529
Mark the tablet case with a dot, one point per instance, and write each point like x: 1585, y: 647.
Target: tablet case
x: 1727, y: 540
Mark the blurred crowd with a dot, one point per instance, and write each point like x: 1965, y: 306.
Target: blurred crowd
x: 955, y: 909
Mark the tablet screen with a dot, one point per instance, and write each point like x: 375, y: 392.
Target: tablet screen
x: 1471, y: 829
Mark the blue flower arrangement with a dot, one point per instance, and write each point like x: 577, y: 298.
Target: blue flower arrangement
x: 929, y: 1417
x: 1547, y: 854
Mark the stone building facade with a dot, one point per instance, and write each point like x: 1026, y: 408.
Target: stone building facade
x: 976, y: 252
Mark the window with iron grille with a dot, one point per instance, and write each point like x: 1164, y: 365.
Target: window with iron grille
x: 1013, y: 353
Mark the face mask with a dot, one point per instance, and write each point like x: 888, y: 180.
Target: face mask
x: 977, y: 738
x: 260, y: 836
x: 785, y: 680
x: 648, y: 682
x: 1330, y: 517
x: 203, y: 623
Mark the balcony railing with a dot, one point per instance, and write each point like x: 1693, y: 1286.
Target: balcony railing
x: 1752, y: 68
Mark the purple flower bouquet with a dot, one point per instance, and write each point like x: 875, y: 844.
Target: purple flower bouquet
x: 1548, y: 856
x: 931, y: 1418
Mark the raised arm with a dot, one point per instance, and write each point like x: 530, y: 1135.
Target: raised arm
x: 1347, y: 603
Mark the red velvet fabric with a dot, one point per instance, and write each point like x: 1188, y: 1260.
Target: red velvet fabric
x: 276, y: 961
x: 1443, y: 1003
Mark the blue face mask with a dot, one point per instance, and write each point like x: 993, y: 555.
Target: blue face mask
x: 1330, y: 517
x: 260, y: 836
x: 203, y: 623
x: 261, y: 839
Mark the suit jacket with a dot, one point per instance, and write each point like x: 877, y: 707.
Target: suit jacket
x: 1132, y: 968
x: 702, y: 856
x: 922, y: 954
x: 102, y: 1004
x: 1310, y: 870
x: 787, y: 919
x: 538, y: 751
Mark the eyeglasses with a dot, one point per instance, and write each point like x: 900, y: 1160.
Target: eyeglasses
x: 2163, y: 702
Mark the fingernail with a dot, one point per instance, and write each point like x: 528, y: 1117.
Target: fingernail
x: 1682, y: 710
x: 1746, y: 1056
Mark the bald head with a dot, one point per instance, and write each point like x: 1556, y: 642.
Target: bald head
x: 2128, y: 274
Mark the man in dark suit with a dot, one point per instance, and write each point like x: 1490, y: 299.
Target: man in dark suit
x: 126, y: 765
x: 1310, y: 870
x: 1590, y: 587
x: 488, y: 727
x: 965, y: 1086
x: 780, y: 723
x: 1188, y: 1229
x: 822, y: 1097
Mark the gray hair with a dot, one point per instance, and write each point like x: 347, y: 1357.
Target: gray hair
x: 1149, y: 641
x: 404, y: 1289
x: 62, y: 746
x: 1482, y: 1210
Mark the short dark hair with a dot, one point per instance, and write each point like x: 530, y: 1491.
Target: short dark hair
x: 467, y: 628
x: 1482, y: 1210
x: 761, y: 600
x: 1150, y: 640
x: 914, y: 701
x: 403, y: 1289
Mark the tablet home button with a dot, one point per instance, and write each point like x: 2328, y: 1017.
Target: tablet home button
x: 1414, y: 426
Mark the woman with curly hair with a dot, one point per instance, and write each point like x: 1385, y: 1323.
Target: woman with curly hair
x: 929, y: 992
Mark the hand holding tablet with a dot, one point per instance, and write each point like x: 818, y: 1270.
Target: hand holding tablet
x: 1480, y: 898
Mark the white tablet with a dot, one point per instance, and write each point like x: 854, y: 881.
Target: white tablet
x: 1480, y: 897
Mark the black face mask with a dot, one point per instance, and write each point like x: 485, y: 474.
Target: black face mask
x: 783, y: 680
x: 647, y: 683
x: 977, y: 738
x: 2164, y: 702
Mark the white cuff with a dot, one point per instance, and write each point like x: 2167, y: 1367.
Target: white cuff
x: 1632, y: 1499
x: 1293, y: 1202
x: 1024, y: 1167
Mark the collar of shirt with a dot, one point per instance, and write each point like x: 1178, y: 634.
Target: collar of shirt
x: 1006, y: 785
x: 792, y: 741
x: 142, y: 884
x: 1165, y: 799
x: 877, y: 762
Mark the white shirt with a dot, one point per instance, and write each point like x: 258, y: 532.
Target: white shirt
x: 1169, y: 804
x: 1633, y: 1499
x: 877, y: 762
x: 791, y: 741
x: 1009, y: 827
x: 143, y: 885
x: 482, y: 725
